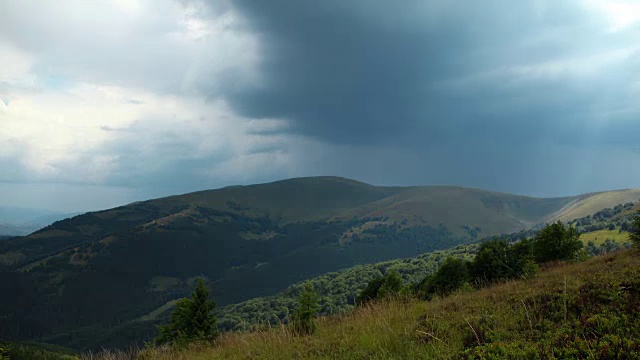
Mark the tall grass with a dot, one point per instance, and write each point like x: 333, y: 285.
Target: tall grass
x: 105, y: 354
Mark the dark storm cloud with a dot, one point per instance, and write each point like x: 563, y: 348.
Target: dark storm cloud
x: 372, y: 72
x: 341, y: 75
x: 535, y: 96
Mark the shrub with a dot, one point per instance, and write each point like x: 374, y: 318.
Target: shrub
x: 634, y: 234
x: 34, y: 351
x: 500, y: 260
x: 502, y: 350
x: 371, y: 291
x: 528, y: 268
x: 4, y: 352
x: 391, y: 286
x: 601, y: 321
x: 450, y: 277
x: 556, y: 242
x: 380, y: 287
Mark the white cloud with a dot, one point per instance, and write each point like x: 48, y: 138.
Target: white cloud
x: 93, y: 133
x: 14, y: 63
x: 620, y: 13
x: 102, y: 91
x: 158, y: 45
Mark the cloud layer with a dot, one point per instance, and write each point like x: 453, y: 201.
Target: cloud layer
x: 149, y: 98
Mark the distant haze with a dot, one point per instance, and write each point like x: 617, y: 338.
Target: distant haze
x: 107, y: 102
x: 23, y: 221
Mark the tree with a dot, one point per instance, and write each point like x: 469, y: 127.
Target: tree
x: 391, y: 286
x: 494, y: 261
x: 625, y: 226
x: 500, y: 260
x: 193, y: 319
x: 370, y: 292
x: 592, y: 249
x: 451, y: 276
x: 380, y: 287
x: 634, y: 233
x: 557, y: 242
x: 304, y: 317
x: 609, y: 246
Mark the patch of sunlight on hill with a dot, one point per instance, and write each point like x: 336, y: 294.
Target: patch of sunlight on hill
x: 600, y: 236
x: 591, y: 204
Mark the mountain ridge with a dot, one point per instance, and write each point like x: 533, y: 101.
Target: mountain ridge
x: 107, y: 267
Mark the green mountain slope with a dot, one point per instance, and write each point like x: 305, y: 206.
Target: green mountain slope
x: 592, y: 203
x: 102, y: 269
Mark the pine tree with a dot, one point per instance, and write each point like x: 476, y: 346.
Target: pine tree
x: 303, y: 320
x: 634, y: 234
x: 193, y: 319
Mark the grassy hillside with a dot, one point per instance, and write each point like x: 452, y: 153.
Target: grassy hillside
x: 95, y: 272
x: 492, y: 212
x: 292, y: 200
x: 583, y: 310
x: 600, y: 236
x: 591, y: 203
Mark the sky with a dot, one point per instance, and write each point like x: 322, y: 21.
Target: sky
x: 107, y: 102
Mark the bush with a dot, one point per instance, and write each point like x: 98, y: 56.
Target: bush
x: 391, y: 286
x: 451, y: 276
x: 556, y: 242
x: 371, y: 291
x: 495, y: 260
x: 528, y: 268
x: 34, y: 351
x: 500, y: 260
x: 601, y: 321
x: 502, y: 350
x: 4, y: 352
x: 381, y: 287
x: 634, y: 234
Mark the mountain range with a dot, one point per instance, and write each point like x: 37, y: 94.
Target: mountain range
x: 101, y: 269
